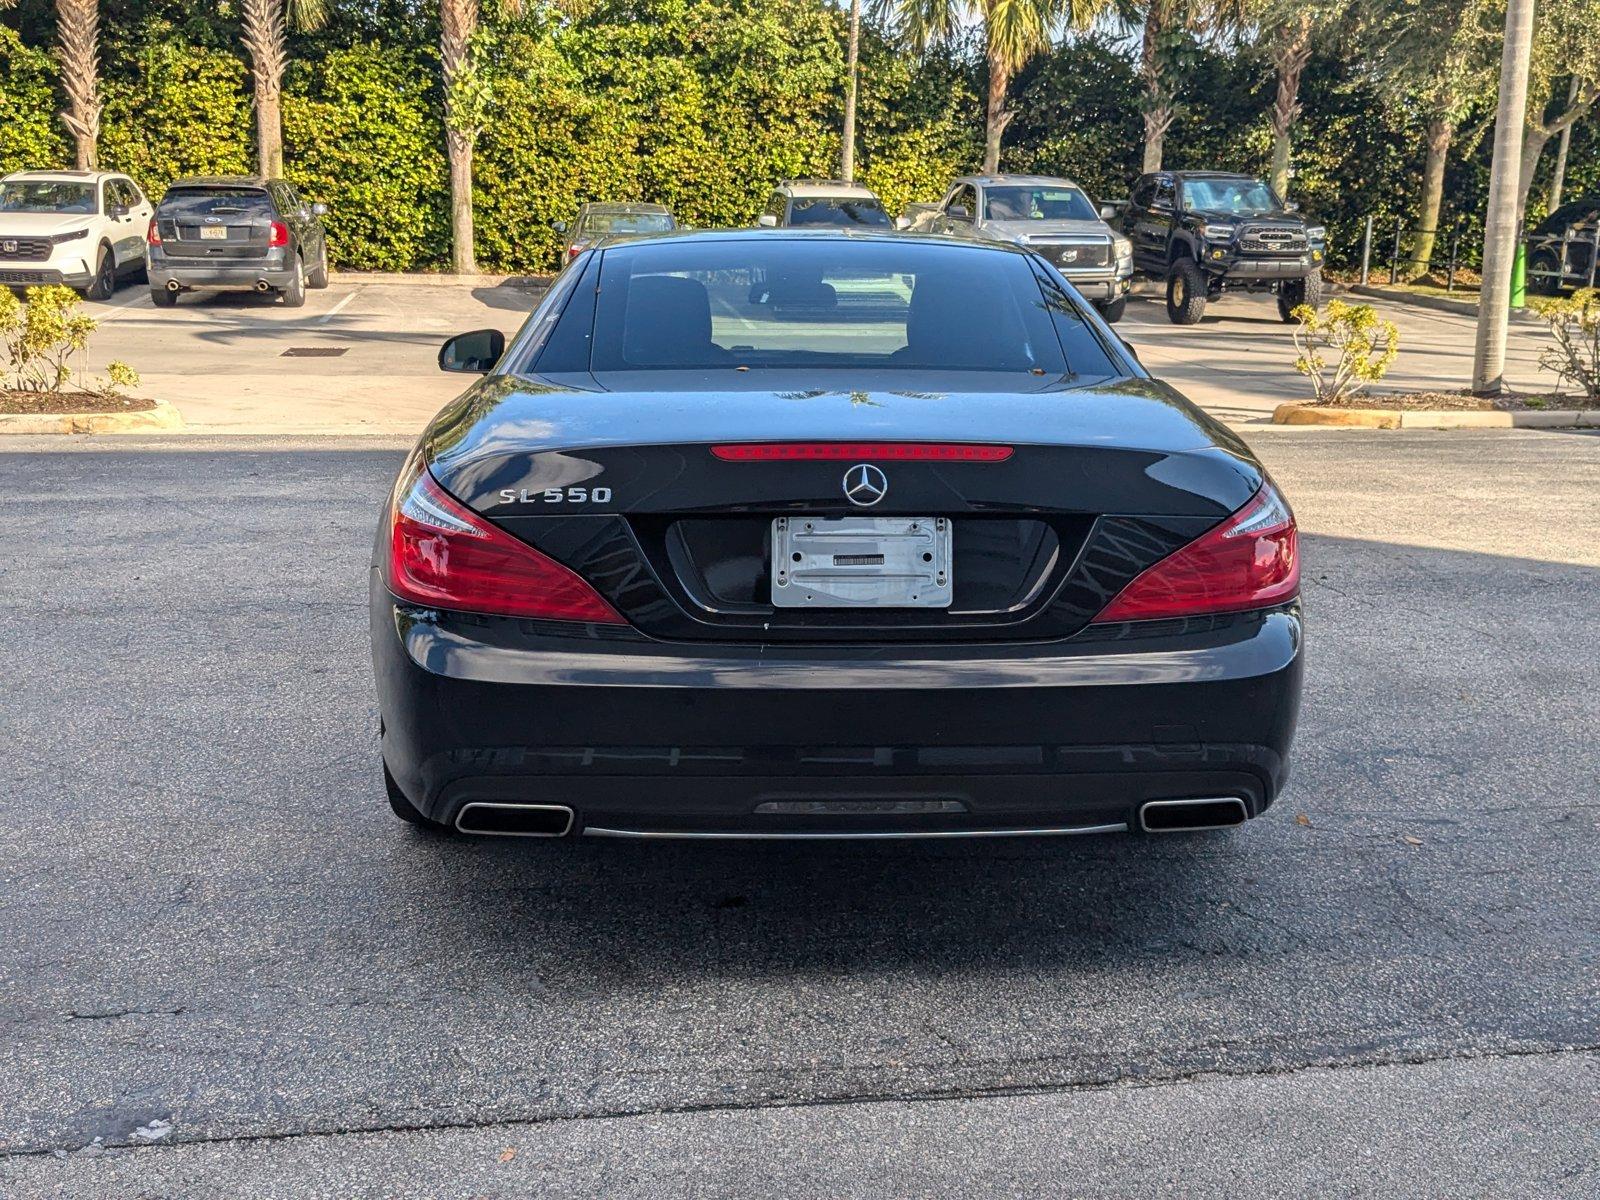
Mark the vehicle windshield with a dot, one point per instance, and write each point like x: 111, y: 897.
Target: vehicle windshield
x: 1019, y: 203
x: 1244, y: 196
x: 602, y: 223
x: 825, y: 211
x: 46, y: 196
x: 216, y: 202
x: 785, y: 304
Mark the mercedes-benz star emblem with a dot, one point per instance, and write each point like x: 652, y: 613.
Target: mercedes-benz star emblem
x: 865, y: 485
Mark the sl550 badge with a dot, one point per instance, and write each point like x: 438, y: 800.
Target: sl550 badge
x: 571, y: 495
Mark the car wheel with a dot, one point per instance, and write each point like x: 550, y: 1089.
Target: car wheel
x: 1548, y: 284
x: 294, y: 296
x: 104, y: 285
x: 403, y: 808
x: 162, y: 298
x: 1112, y: 310
x: 1186, y: 292
x: 319, y: 274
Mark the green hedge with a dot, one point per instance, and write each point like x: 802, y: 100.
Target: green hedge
x: 700, y: 104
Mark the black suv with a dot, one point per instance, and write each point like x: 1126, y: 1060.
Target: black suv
x: 1561, y: 248
x: 1205, y: 232
x: 236, y: 234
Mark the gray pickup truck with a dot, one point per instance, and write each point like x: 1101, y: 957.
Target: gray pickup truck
x: 1052, y: 217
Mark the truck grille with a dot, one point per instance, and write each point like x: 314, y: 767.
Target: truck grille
x: 1084, y: 255
x: 1273, y: 241
x: 24, y: 249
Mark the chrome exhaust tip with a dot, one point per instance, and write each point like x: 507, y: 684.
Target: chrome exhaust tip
x: 485, y: 819
x: 1192, y: 816
x: 172, y: 285
x: 263, y: 286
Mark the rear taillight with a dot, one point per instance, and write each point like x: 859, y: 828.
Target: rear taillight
x: 1251, y: 560
x: 279, y: 235
x: 153, y: 234
x: 443, y: 555
x: 842, y: 451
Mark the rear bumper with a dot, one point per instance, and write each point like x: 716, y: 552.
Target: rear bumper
x: 643, y: 738
x: 237, y: 274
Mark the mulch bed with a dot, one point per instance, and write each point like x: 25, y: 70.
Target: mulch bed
x: 1462, y: 402
x: 71, y: 402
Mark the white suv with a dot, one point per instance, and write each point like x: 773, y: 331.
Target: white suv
x: 85, y: 229
x: 823, y: 202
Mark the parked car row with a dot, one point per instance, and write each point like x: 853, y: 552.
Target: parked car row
x: 1202, y: 233
x: 92, y: 229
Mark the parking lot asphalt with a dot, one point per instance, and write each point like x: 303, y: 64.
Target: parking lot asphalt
x: 234, y: 363
x: 219, y: 938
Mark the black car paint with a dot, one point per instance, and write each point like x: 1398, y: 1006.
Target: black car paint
x: 685, y: 719
x: 238, y: 268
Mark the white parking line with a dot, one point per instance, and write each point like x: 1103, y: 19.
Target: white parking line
x: 141, y: 300
x: 339, y: 307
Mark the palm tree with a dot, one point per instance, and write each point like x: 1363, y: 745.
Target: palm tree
x: 78, y: 52
x: 1014, y: 31
x: 264, y: 27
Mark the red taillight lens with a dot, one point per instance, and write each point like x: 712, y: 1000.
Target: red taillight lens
x: 443, y: 555
x: 279, y: 235
x: 887, y: 451
x: 153, y: 234
x: 1251, y: 560
x: 574, y: 251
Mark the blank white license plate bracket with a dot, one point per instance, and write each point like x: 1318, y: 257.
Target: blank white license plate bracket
x: 861, y: 562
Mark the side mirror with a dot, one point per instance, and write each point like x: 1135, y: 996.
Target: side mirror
x: 902, y: 222
x: 116, y: 211
x: 1108, y: 212
x: 559, y: 227
x: 472, y: 353
x: 319, y: 210
x: 1291, y: 206
x: 958, y: 212
x: 767, y: 221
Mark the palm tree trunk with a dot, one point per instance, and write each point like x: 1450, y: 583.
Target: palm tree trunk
x: 1558, y: 177
x: 1291, y: 51
x: 847, y: 154
x: 1440, y: 131
x: 458, y: 21
x: 78, y: 51
x: 997, y: 116
x: 1157, y: 110
x: 263, y: 35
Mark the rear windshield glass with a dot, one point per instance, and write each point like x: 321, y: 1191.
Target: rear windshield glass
x: 601, y: 223
x: 1021, y: 203
x: 765, y: 303
x: 216, y: 202
x: 837, y: 212
x: 46, y: 196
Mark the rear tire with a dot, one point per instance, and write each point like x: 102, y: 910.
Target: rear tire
x: 1544, y: 285
x: 1186, y: 292
x: 294, y: 296
x: 403, y: 808
x: 319, y: 274
x: 104, y: 284
x: 1112, y: 310
x: 162, y: 298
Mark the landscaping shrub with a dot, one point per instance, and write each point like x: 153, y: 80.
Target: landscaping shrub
x: 42, y: 344
x: 1366, y: 346
x: 1575, y: 324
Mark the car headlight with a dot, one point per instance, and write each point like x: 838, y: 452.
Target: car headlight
x: 1218, y: 233
x: 69, y: 237
x: 1316, y: 233
x: 1122, y: 246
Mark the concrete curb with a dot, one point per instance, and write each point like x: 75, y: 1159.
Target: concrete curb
x: 1463, y: 308
x: 162, y: 417
x: 430, y: 279
x: 1407, y: 418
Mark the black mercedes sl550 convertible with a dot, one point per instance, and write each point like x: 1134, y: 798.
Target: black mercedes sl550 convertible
x: 792, y: 534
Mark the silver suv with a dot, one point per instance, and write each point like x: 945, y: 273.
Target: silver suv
x: 823, y: 202
x: 1052, y: 217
